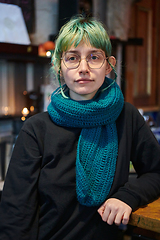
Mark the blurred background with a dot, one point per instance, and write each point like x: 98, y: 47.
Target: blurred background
x: 28, y: 29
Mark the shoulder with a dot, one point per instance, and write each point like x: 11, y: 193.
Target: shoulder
x: 43, y: 116
x: 130, y: 116
x: 38, y: 120
x: 41, y: 125
x: 129, y: 108
x: 38, y: 124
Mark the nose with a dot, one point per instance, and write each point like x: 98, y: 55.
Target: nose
x: 83, y: 66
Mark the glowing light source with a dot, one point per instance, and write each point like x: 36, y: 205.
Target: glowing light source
x: 32, y: 108
x: 5, y: 110
x: 25, y: 92
x: 23, y: 118
x: 48, y: 53
x: 25, y: 111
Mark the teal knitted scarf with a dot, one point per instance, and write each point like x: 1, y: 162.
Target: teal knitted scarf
x: 97, y: 148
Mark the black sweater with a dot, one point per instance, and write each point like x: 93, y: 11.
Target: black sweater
x: 39, y: 197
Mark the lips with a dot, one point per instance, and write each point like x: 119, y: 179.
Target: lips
x: 84, y: 80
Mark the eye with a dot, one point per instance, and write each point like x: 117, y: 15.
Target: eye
x: 71, y: 57
x: 94, y: 57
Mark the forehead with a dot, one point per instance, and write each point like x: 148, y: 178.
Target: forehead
x: 84, y: 48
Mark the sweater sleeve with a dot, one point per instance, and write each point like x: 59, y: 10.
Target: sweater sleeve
x: 19, y: 202
x: 145, y: 156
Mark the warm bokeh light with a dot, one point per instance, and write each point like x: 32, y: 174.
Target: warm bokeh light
x: 23, y: 118
x: 25, y: 92
x: 48, y: 54
x: 25, y: 111
x: 5, y: 110
x: 32, y: 108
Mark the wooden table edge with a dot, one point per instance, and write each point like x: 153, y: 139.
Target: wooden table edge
x: 139, y: 218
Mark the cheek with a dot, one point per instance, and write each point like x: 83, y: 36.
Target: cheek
x: 68, y: 74
x: 64, y: 71
x: 102, y: 75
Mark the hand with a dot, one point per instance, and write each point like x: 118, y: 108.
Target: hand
x: 114, y: 210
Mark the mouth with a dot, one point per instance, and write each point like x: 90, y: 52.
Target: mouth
x: 83, y: 80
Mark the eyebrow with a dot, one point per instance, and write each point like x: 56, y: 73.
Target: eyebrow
x: 90, y: 51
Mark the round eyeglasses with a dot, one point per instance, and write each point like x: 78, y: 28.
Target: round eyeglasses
x: 94, y: 60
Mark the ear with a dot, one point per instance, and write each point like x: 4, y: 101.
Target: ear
x: 112, y: 62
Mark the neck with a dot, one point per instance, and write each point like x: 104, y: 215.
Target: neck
x: 81, y: 97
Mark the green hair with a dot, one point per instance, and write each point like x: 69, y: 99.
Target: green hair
x: 73, y: 32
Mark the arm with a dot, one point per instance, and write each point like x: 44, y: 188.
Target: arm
x: 19, y: 203
x: 145, y: 155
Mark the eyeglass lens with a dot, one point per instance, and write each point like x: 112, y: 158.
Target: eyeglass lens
x: 94, y: 60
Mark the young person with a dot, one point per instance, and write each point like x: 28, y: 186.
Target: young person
x: 68, y: 177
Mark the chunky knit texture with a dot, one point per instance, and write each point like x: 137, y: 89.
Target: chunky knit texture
x: 97, y: 148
